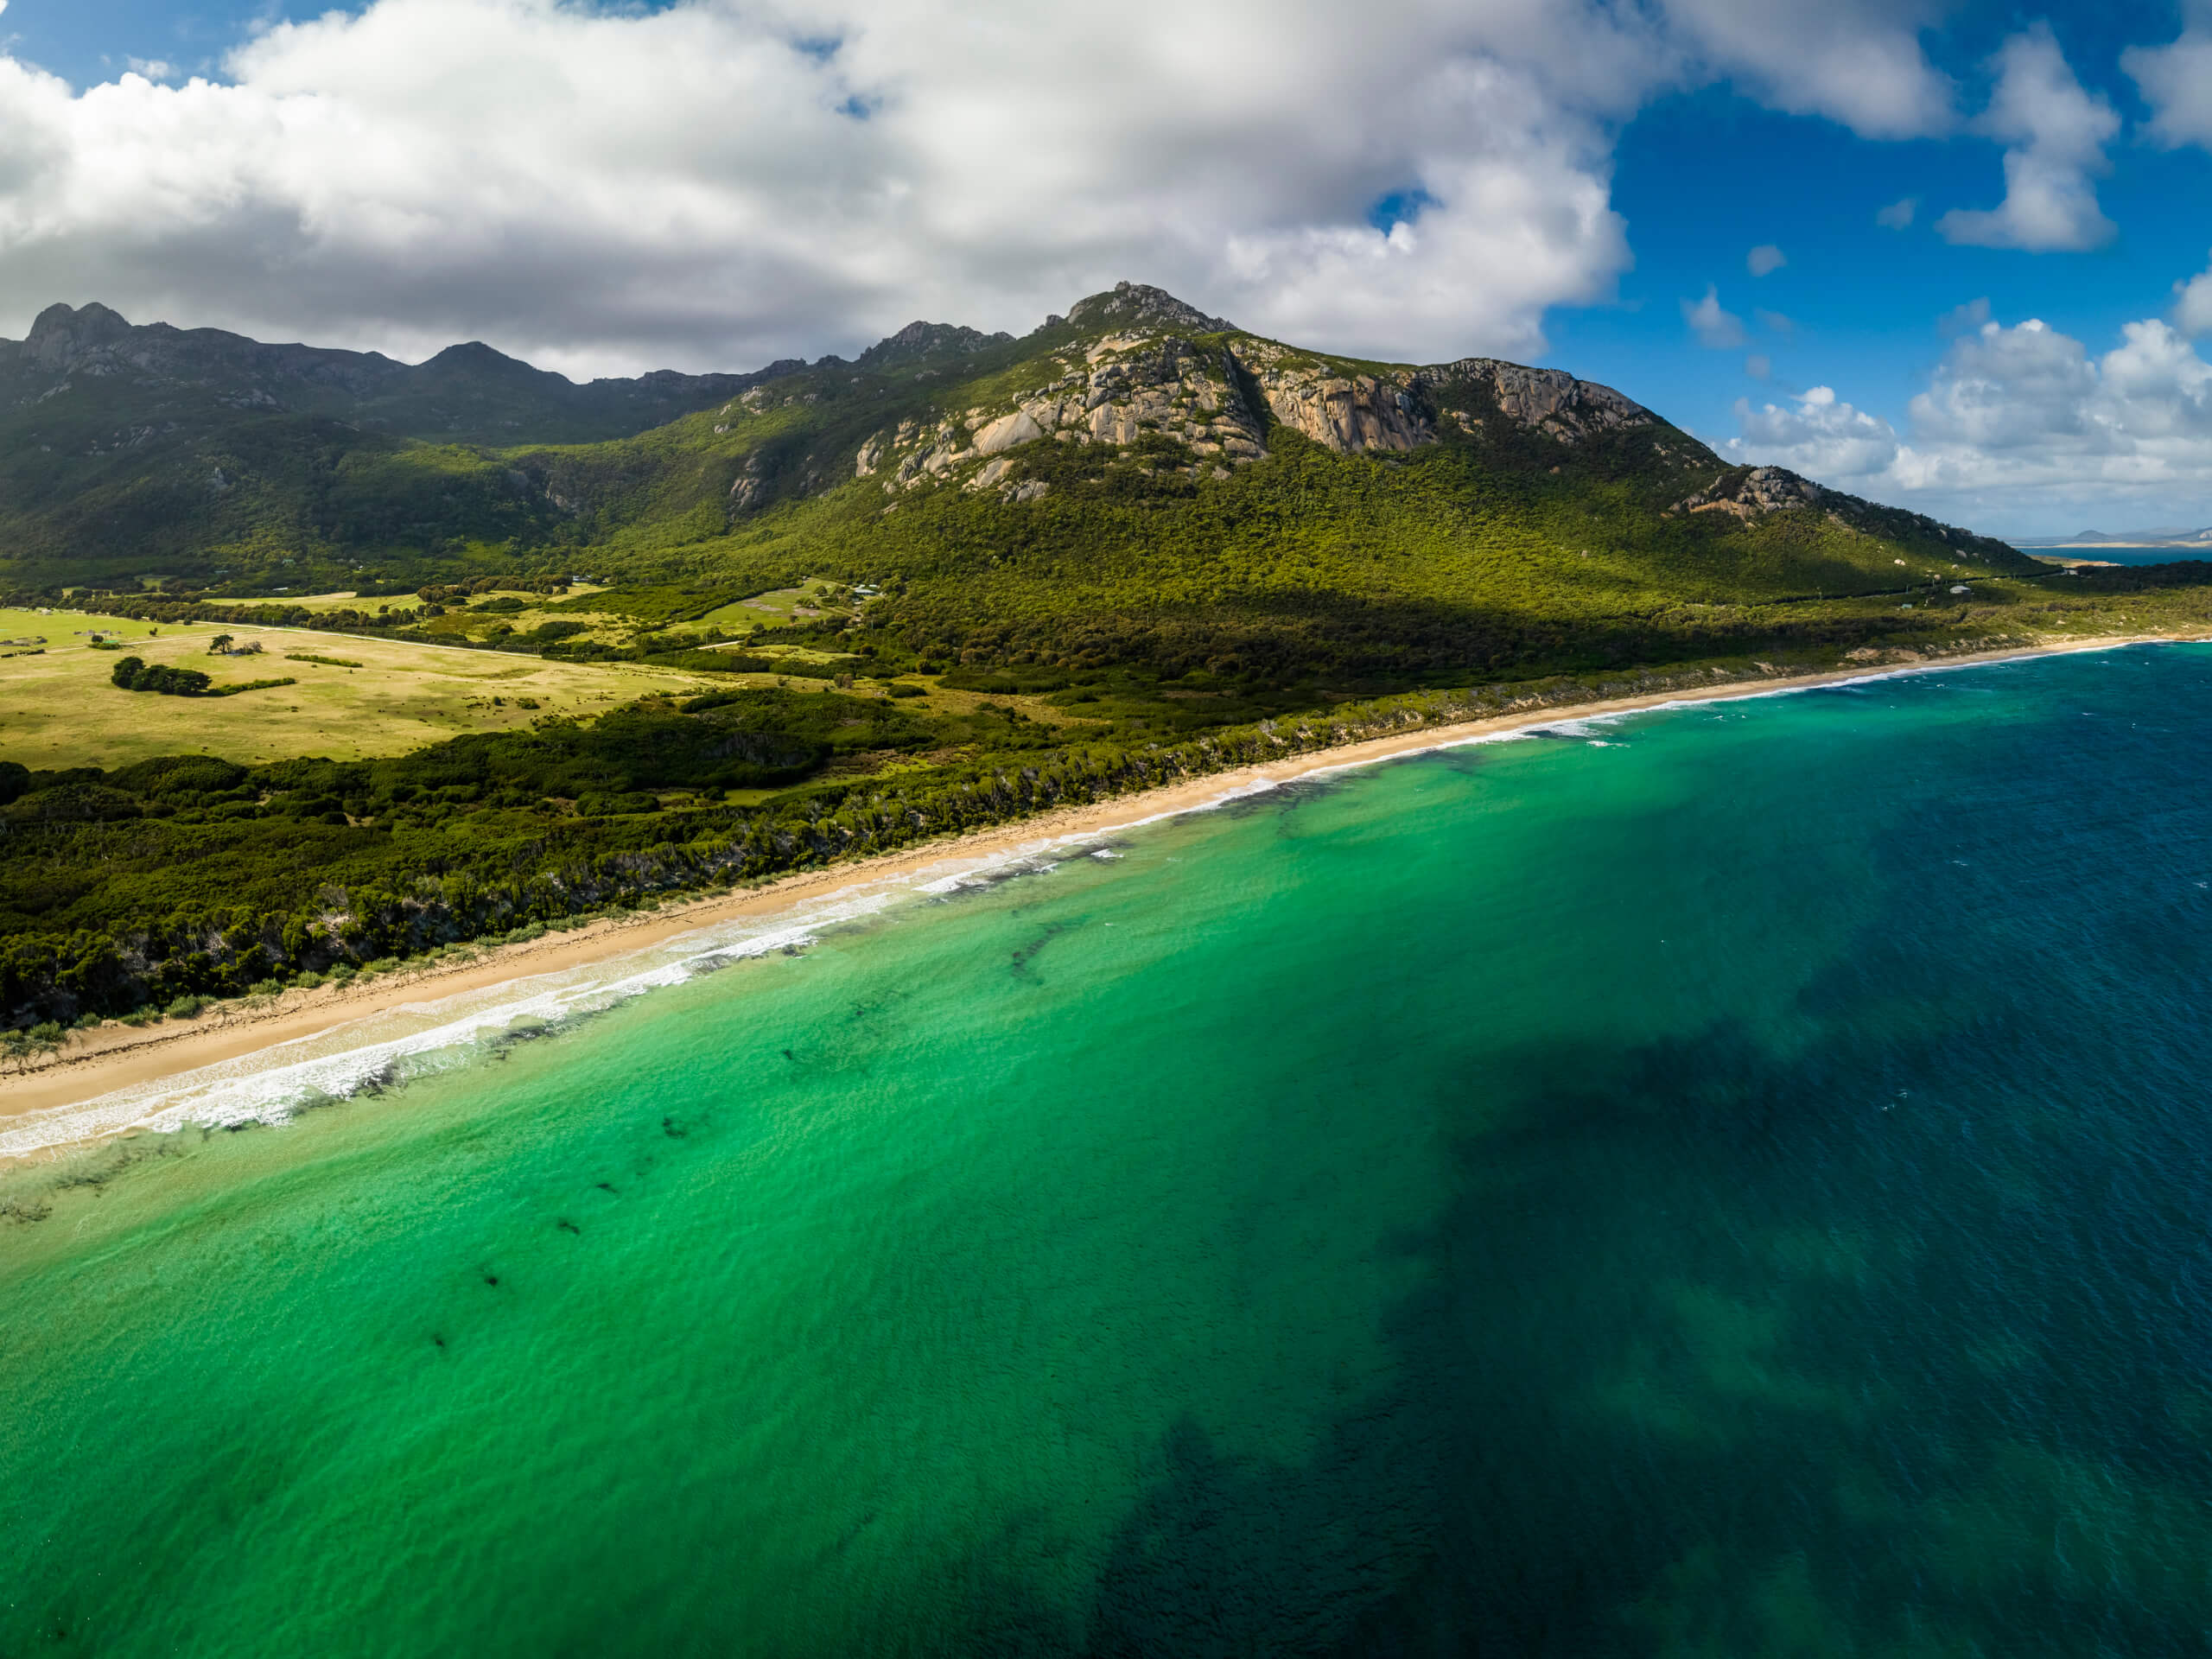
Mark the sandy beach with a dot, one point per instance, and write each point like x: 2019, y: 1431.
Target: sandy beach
x: 115, y: 1058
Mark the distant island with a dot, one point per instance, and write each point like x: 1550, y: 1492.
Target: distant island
x: 2183, y: 539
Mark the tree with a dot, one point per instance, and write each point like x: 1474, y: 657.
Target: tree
x: 136, y: 674
x: 220, y: 643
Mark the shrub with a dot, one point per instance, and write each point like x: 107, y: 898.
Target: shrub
x: 136, y: 674
x: 186, y: 1007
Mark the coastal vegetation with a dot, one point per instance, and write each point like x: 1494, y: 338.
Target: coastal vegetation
x: 851, y: 607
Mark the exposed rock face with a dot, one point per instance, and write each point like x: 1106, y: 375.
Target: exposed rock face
x: 750, y: 488
x: 1758, y: 490
x: 62, y: 338
x: 1548, y: 400
x: 1345, y: 413
x: 1146, y: 371
x: 1351, y: 414
x: 1021, y: 427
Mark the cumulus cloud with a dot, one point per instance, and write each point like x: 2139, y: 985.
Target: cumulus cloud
x: 2017, y: 421
x: 1774, y: 323
x: 1715, y: 328
x: 1898, y: 214
x: 1763, y: 259
x: 2055, y: 134
x: 1817, y: 435
x: 2176, y: 81
x: 2193, y: 303
x: 1856, y: 63
x: 1758, y: 366
x: 714, y: 182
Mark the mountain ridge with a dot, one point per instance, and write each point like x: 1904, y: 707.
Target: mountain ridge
x: 1135, y: 474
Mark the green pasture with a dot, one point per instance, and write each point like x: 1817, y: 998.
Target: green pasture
x: 59, y: 708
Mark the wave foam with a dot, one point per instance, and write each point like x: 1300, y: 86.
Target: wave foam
x: 271, y: 1084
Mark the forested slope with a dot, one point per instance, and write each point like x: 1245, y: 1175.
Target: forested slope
x: 1137, y: 544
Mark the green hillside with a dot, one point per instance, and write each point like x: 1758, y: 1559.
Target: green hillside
x: 964, y: 578
x: 1134, y: 483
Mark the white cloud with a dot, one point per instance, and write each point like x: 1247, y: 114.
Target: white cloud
x: 2017, y: 423
x: 1774, y: 322
x: 2055, y: 134
x: 1856, y: 63
x: 1719, y: 330
x: 1763, y: 259
x: 1898, y: 214
x: 1817, y: 435
x: 2176, y: 81
x: 2193, y: 303
x: 720, y: 181
x: 1758, y: 366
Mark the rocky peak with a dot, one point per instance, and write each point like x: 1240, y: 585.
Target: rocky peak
x: 1133, y: 304
x: 1221, y: 399
x: 63, y: 333
x: 920, y: 340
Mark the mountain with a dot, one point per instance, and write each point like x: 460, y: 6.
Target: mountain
x: 1139, y: 481
x: 127, y: 448
x: 1133, y: 480
x: 468, y: 393
x: 1171, y: 545
x: 2163, y: 537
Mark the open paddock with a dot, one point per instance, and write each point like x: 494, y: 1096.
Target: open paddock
x: 59, y: 708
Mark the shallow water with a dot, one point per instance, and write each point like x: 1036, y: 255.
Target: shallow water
x: 1730, y: 1180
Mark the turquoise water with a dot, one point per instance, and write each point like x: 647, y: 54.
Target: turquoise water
x: 1732, y: 1181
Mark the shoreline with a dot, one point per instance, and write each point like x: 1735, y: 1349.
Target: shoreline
x: 116, y: 1058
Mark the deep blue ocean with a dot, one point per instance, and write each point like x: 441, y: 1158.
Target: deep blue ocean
x: 1733, y: 1181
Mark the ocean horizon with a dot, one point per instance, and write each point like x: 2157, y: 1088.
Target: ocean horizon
x: 1718, y: 1180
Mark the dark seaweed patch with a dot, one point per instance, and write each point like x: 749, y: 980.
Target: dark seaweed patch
x: 1025, y: 955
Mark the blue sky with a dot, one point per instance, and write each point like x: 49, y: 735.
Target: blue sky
x: 91, y: 41
x: 701, y: 183
x: 1703, y: 178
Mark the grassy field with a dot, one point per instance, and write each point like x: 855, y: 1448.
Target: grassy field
x: 341, y: 601
x: 777, y: 609
x: 58, y: 708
